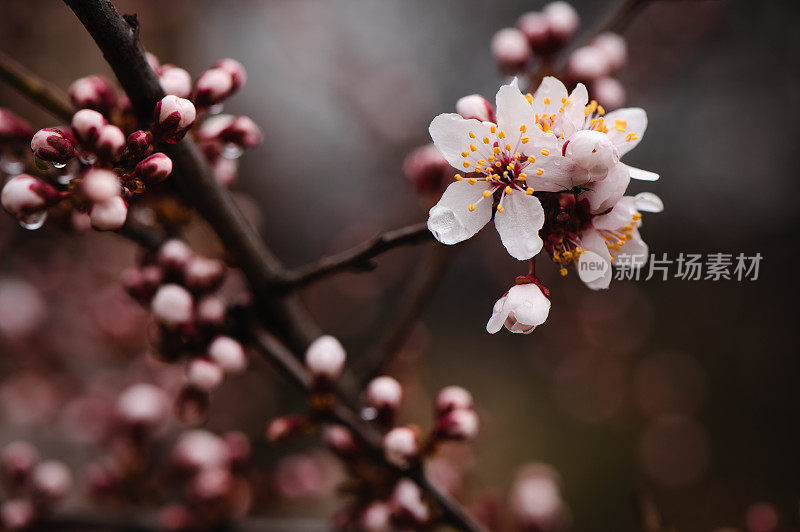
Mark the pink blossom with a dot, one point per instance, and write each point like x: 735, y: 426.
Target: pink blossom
x: 172, y: 305
x: 228, y: 353
x: 109, y: 215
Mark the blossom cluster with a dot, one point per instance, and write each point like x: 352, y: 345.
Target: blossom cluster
x: 96, y: 166
x: 178, y: 286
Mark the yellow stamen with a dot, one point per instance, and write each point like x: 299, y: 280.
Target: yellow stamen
x: 499, y: 208
x: 545, y: 151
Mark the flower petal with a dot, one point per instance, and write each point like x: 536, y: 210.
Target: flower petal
x: 558, y: 174
x: 551, y: 90
x: 642, y: 175
x: 635, y: 248
x: 499, y: 314
x: 592, y: 241
x: 632, y: 122
x: 528, y: 304
x: 514, y: 113
x: 603, y: 195
x: 451, y: 136
x: 648, y: 202
x: 618, y: 217
x: 450, y: 220
x: 519, y: 224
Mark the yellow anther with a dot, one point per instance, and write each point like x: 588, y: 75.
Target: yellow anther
x: 501, y: 135
x: 529, y: 97
x: 479, y: 168
x: 465, y: 154
x: 472, y: 180
x: 524, y: 140
x: 498, y: 164
x: 601, y: 110
x: 546, y: 100
x: 508, y: 147
x: 539, y: 171
x: 630, y: 136
x: 499, y: 208
x: 564, y: 100
x: 489, y: 177
x: 529, y: 191
x: 472, y: 147
x: 620, y: 125
x: 505, y: 174
x: 523, y: 128
x: 486, y: 193
x: 637, y: 216
x: 471, y: 135
x: 493, y: 129
x: 481, y: 161
x: 508, y: 190
x: 531, y: 159
x: 563, y: 272
x: 497, y: 149
x: 490, y: 158
x: 466, y: 164
x: 545, y: 151
x: 471, y: 207
x: 459, y: 177
x: 485, y: 140
x: 517, y: 155
x: 522, y: 176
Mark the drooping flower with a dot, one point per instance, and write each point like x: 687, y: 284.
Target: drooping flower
x: 523, y: 308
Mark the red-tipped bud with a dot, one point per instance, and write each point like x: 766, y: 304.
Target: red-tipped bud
x: 173, y: 118
x: 284, y: 427
x: 609, y: 92
x: 210, y: 484
x: 407, y: 503
x: 93, y: 92
x: 563, y: 20
x: 510, y: 49
x: 211, y: 311
x: 110, y: 142
x: 459, y: 424
x: 86, y: 126
x: 228, y: 353
x: 200, y: 449
x: 377, y: 517
x: 13, y: 128
x: 242, y: 131
x: 400, y: 446
x: 100, y: 185
x: 339, y: 440
x: 452, y: 398
x: 384, y: 393
x: 142, y: 283
x: 325, y: 358
x: 477, y: 107
x: 51, y: 480
x: 614, y: 47
x: 172, y: 305
x: 191, y: 406
x: 24, y: 194
x: 588, y: 63
x: 154, y: 169
x: 139, y: 145
x: 427, y: 169
x: 212, y: 87
x: 235, y: 69
x: 175, y: 81
x: 109, y: 215
x: 18, y: 460
x: 205, y: 375
x: 536, y: 28
x: 174, y: 254
x: 144, y: 405
x: 202, y: 274
x: 53, y: 145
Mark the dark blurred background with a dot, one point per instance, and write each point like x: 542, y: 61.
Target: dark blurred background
x: 683, y: 391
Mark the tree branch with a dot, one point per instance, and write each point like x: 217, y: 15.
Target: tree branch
x: 358, y: 257
x: 35, y: 88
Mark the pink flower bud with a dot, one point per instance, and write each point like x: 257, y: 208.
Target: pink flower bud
x: 211, y: 310
x: 536, y: 28
x: 588, y: 63
x: 172, y: 305
x: 453, y: 398
x: 475, y: 106
x: 53, y: 145
x: 176, y: 518
x: 110, y: 142
x: 284, y: 427
x: 225, y: 171
x: 510, y: 49
x: 173, y: 118
x: 228, y: 353
x: 109, y: 215
x: 13, y: 128
x: 200, y: 449
x: 154, y: 169
x: 242, y: 131
x: 17, y: 514
x: 609, y: 92
x: 384, y: 393
x: 51, y: 479
x: 174, y: 254
x: 203, y: 274
x: 175, y: 81
x: 239, y: 448
x: 86, y: 125
x: 523, y: 308
x: 563, y: 20
x: 427, y: 169
x: 535, y: 499
x: 615, y: 48
x: 143, y: 404
x: 458, y: 424
x: 18, y: 460
x: 205, y: 375
x: 377, y: 517
x: 235, y: 69
x: 24, y: 194
x: 141, y: 283
x: 139, y: 144
x: 339, y: 440
x: 325, y: 357
x: 211, y: 484
x: 400, y: 446
x: 407, y: 503
x: 213, y: 86
x: 93, y: 92
x: 100, y: 185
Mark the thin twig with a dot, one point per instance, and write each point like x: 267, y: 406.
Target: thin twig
x: 287, y: 363
x: 358, y: 257
x: 35, y: 88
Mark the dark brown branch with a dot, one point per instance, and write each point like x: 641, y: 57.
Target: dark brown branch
x: 358, y: 257
x: 287, y: 363
x: 117, y: 38
x: 35, y: 88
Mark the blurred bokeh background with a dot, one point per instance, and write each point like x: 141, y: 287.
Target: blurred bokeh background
x: 684, y: 391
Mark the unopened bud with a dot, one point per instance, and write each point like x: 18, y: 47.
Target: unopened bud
x: 17, y: 514
x: 407, y: 502
x: 452, y: 398
x: 13, y: 128
x: 211, y: 311
x: 228, y: 353
x: 52, y: 480
x: 510, y: 49
x: 172, y: 305
x: 100, y: 185
x: 339, y: 440
x: 615, y: 48
x: 53, y: 145
x: 384, y: 393
x: 174, y: 116
x: 18, y: 460
x: 284, y: 427
x: 536, y: 28
x: 191, y: 406
x: 200, y: 449
x: 93, y: 92
x: 588, y: 63
x: 143, y: 404
x: 139, y: 144
x: 141, y: 283
x: 110, y: 142
x: 24, y: 194
x: 175, y: 81
x: 459, y: 424
x: 400, y: 446
x: 212, y: 87
x: 210, y: 484
x: 109, y: 215
x: 239, y: 448
x: 475, y: 106
x: 86, y: 126
x: 235, y: 69
x: 242, y: 131
x: 205, y: 375
x: 427, y: 169
x: 325, y: 357
x: 154, y: 169
x: 203, y: 274
x: 609, y: 92
x: 563, y: 20
x: 174, y: 254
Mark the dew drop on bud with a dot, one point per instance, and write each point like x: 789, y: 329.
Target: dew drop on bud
x: 369, y: 413
x: 59, y: 165
x: 33, y: 221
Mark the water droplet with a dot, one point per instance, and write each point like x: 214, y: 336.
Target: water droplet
x: 369, y: 413
x: 59, y: 165
x: 33, y: 220
x: 232, y: 151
